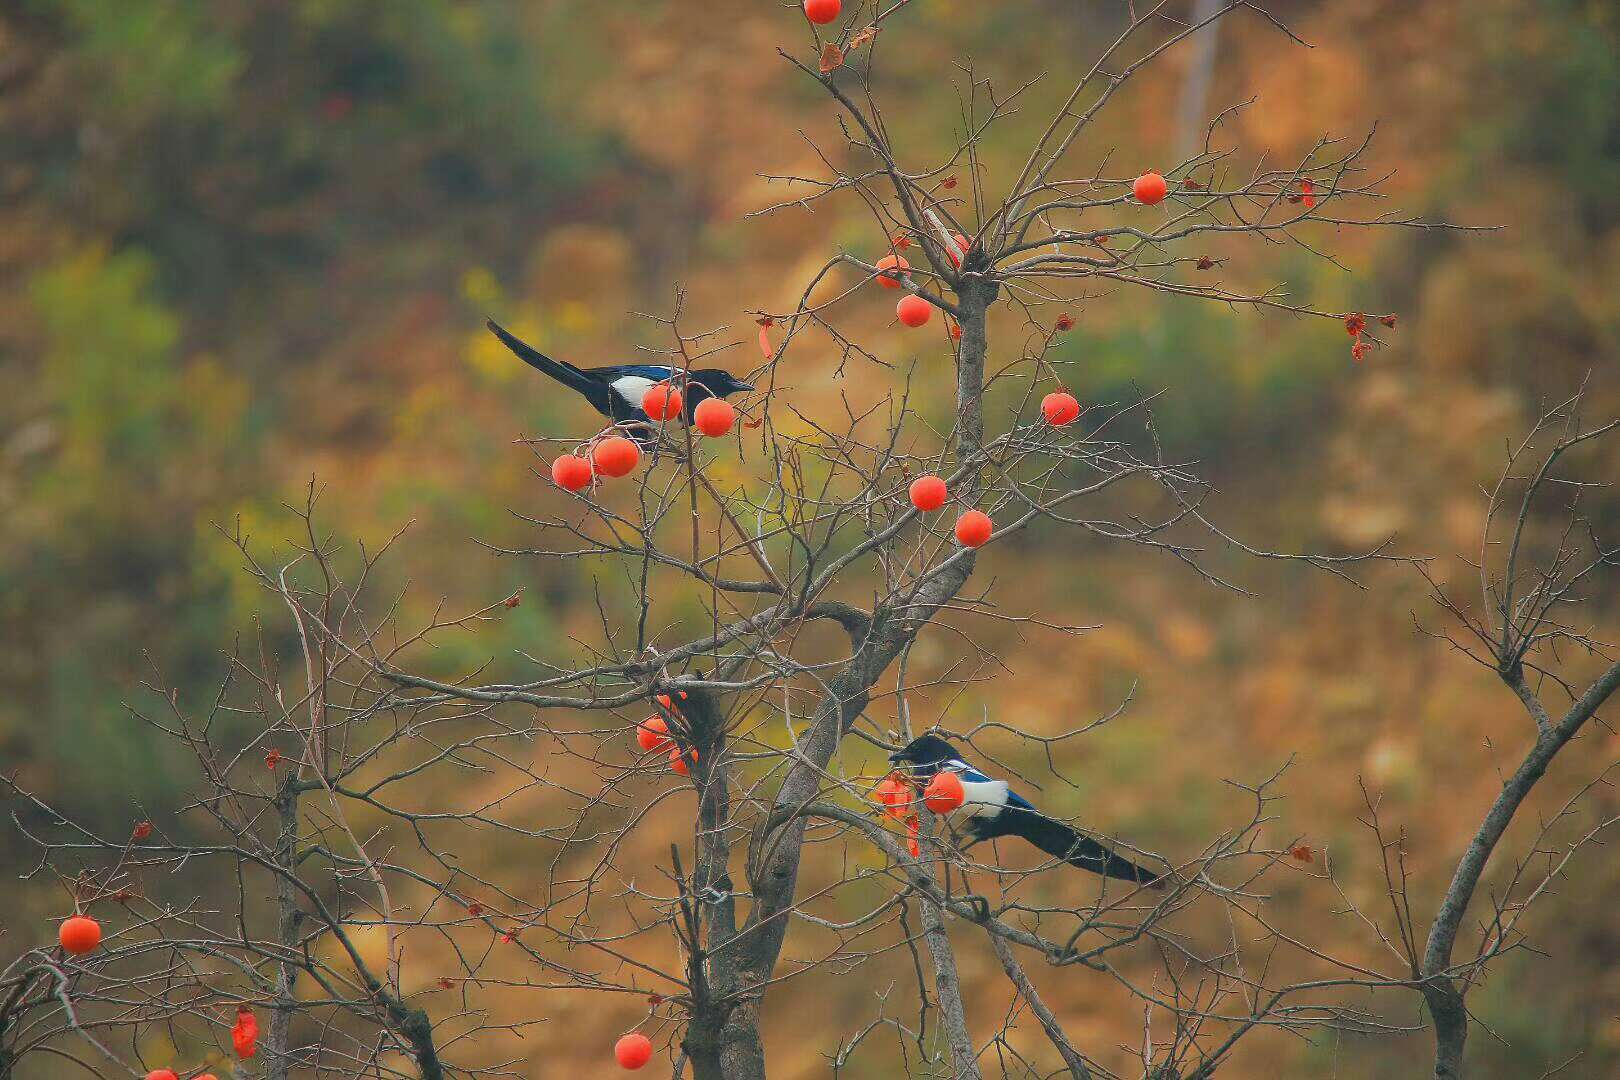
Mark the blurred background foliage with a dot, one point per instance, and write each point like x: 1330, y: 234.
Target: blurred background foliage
x: 251, y: 242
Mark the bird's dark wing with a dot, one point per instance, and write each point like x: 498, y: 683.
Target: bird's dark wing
x: 593, y: 390
x: 1070, y: 845
x: 655, y: 372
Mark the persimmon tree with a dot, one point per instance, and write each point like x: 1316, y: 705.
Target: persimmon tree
x: 768, y: 623
x: 1526, y: 622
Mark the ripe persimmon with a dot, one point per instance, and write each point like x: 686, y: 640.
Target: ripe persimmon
x: 928, y: 493
x: 714, y: 417
x: 661, y: 402
x: 652, y: 734
x: 944, y: 793
x: 79, y: 935
x: 635, y: 1049
x: 973, y: 528
x: 893, y: 263
x: 913, y: 310
x: 571, y: 473
x: 615, y: 456
x: 1060, y: 408
x: 1150, y: 188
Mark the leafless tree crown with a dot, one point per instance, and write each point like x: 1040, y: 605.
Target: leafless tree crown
x: 780, y: 669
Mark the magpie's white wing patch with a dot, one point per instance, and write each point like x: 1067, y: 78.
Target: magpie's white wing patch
x: 981, y: 796
x: 632, y: 388
x: 984, y: 798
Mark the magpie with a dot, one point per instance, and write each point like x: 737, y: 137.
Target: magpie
x: 616, y: 391
x: 991, y: 809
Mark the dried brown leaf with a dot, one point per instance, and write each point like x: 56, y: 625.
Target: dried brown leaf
x: 861, y: 37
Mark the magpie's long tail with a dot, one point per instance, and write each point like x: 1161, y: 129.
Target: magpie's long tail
x: 1078, y: 849
x: 567, y: 374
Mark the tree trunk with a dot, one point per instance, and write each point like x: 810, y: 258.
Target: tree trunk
x: 948, y: 992
x: 1444, y: 996
x: 774, y: 878
x: 278, y: 1041
x: 1450, y: 1028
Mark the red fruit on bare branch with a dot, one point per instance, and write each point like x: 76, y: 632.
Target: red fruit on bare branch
x: 245, y: 1034
x: 635, y: 1049
x: 79, y: 935
x: 652, y: 734
x: 822, y: 12
x: 895, y: 796
x: 944, y: 793
x: 571, y: 473
x: 1150, y: 188
x: 890, y: 267
x: 973, y: 528
x: 661, y: 402
x: 928, y: 493
x: 913, y: 310
x: 615, y: 456
x: 714, y: 417
x: 1060, y: 408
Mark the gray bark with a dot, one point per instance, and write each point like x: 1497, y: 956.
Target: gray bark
x: 948, y: 993
x: 746, y: 967
x: 1443, y: 993
x: 278, y: 1040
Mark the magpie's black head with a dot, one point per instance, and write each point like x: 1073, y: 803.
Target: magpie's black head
x: 923, y: 753
x: 719, y: 382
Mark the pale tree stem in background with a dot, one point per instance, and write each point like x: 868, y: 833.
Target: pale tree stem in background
x: 1192, y: 114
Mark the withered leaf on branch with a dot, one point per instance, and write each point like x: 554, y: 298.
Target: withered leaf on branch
x: 862, y: 37
x: 831, y: 58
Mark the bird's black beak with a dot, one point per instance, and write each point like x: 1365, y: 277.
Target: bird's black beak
x: 742, y: 386
x: 898, y: 758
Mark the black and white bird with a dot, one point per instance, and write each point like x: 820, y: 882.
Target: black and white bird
x: 616, y: 391
x: 990, y: 808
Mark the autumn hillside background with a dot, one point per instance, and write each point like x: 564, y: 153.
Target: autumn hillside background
x: 252, y: 242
